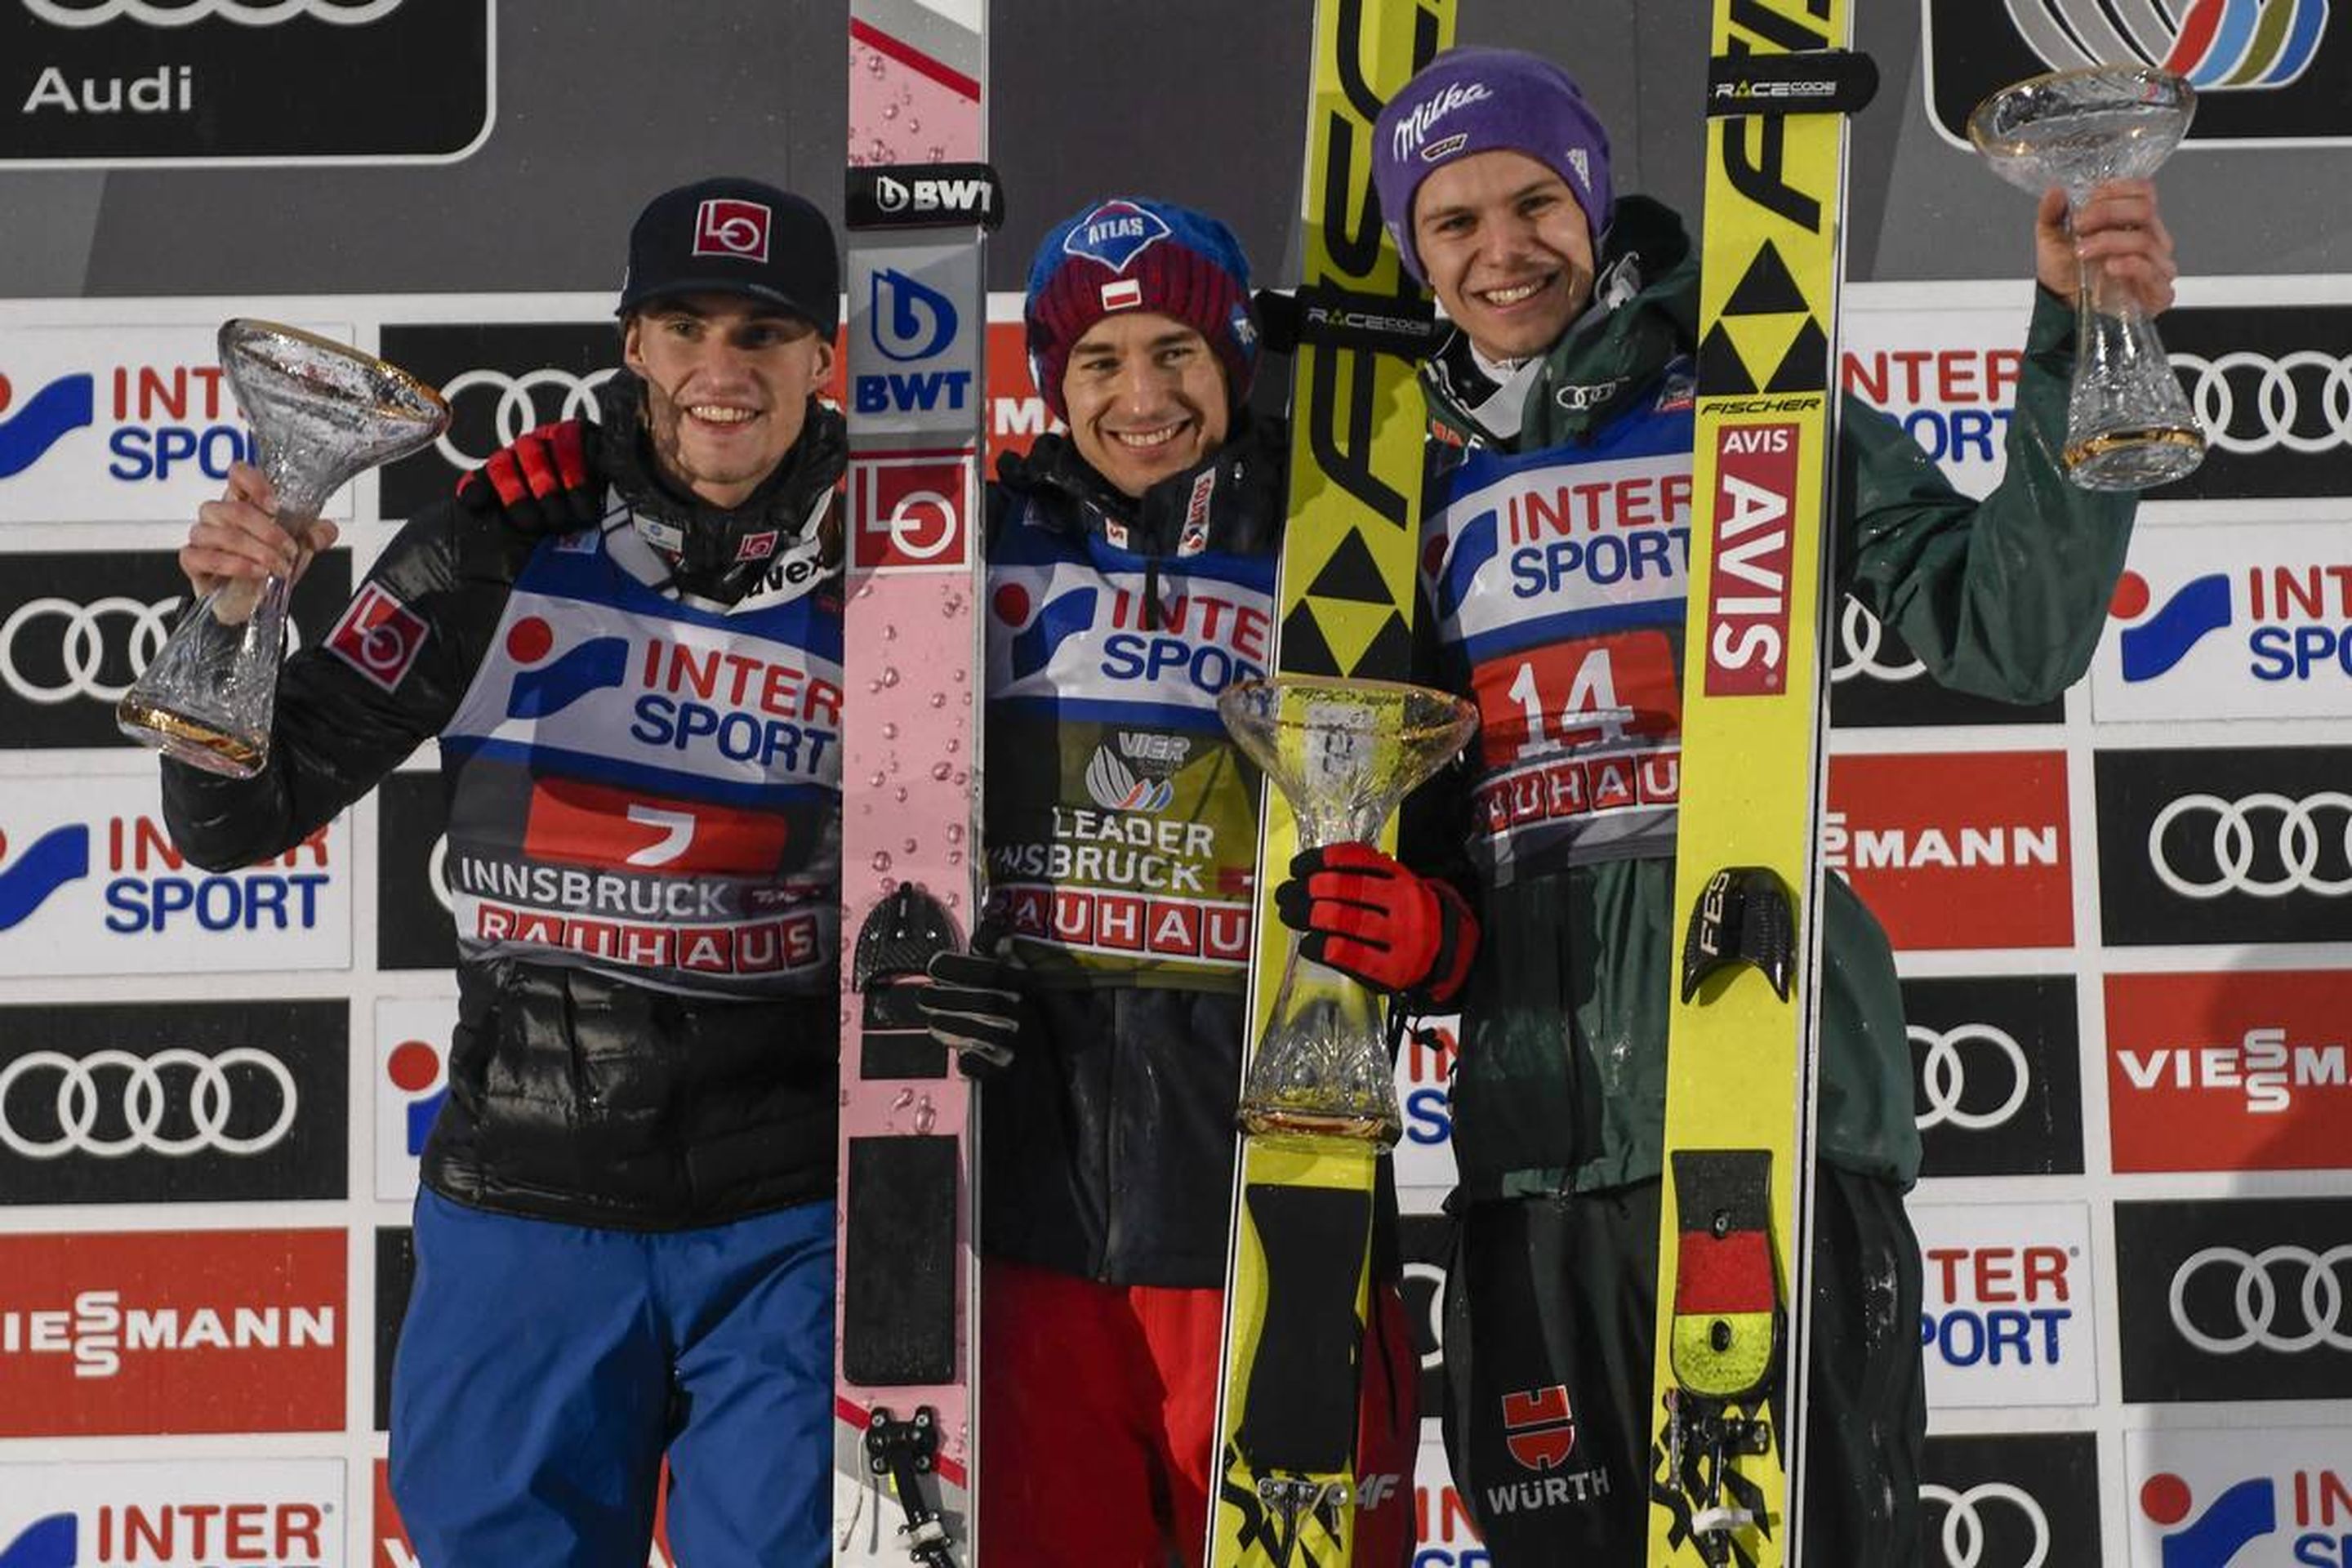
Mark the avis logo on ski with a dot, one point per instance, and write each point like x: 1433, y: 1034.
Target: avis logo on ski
x: 1131, y: 579
x: 625, y: 637
x: 1562, y: 403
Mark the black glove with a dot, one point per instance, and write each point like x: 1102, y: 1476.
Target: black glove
x: 977, y: 1007
x: 546, y: 482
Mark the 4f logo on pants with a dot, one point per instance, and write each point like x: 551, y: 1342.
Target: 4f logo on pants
x: 1538, y: 1427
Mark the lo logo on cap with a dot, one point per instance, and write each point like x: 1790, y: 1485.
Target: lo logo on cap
x: 726, y: 227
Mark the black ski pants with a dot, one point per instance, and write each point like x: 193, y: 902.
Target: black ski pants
x: 1550, y: 1329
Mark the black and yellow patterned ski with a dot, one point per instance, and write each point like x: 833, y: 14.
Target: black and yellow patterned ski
x: 1730, y: 1369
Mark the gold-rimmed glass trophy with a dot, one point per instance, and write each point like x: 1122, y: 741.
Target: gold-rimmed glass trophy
x: 320, y: 412
x: 1344, y: 753
x: 2128, y: 424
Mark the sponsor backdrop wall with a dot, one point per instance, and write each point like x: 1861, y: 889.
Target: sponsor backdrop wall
x: 2124, y: 920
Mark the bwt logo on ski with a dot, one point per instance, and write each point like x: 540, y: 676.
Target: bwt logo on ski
x: 908, y: 321
x: 1956, y: 402
x: 924, y: 196
x: 1748, y: 586
x: 2229, y: 1071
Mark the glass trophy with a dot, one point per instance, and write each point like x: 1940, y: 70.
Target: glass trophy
x: 320, y: 412
x: 1344, y: 753
x: 2128, y: 425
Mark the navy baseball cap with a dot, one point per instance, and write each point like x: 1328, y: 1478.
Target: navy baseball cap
x: 735, y: 236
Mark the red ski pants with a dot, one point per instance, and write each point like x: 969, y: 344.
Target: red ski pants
x: 1095, y: 1412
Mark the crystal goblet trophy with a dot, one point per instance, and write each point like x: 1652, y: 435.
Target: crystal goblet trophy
x: 1344, y: 753
x: 2128, y: 425
x: 320, y: 412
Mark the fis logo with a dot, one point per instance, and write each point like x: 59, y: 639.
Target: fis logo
x: 67, y: 404
x: 1115, y: 786
x: 2216, y: 44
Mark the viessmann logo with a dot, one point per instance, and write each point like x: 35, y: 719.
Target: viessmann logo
x: 2229, y: 1070
x: 172, y: 1332
x: 2265, y: 70
x: 1956, y: 850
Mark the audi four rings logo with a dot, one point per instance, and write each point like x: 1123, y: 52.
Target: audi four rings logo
x: 2314, y: 848
x: 144, y: 1095
x: 1859, y: 639
x: 518, y: 408
x: 1943, y: 1082
x: 82, y: 633
x: 244, y: 13
x: 2257, y: 1283
x: 2251, y: 404
x: 1964, y: 1522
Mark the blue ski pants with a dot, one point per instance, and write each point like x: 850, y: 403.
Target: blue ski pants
x: 545, y: 1370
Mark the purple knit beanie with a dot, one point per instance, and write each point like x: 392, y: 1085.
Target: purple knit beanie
x: 1471, y: 101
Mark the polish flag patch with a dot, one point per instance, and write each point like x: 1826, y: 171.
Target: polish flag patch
x: 1122, y: 294
x: 379, y: 636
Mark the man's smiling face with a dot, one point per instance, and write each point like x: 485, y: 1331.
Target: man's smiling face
x: 1507, y: 249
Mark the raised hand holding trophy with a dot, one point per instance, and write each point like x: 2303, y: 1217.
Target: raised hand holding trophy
x: 2128, y: 425
x: 321, y: 413
x: 1343, y: 753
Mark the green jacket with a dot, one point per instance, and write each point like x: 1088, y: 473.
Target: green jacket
x: 1561, y: 1084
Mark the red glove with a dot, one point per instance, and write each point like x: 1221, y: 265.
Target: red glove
x: 1366, y: 916
x: 544, y: 483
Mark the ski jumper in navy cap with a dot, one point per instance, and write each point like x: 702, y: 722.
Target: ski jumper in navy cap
x: 1556, y: 528
x: 625, y: 640
x: 1130, y: 580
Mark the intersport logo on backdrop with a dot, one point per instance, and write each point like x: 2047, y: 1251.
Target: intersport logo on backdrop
x: 2242, y: 1070
x: 1956, y: 849
x: 116, y: 425
x: 186, y: 1513
x: 2266, y: 71
x: 2230, y: 621
x: 2246, y: 1497
x: 2235, y: 1300
x: 173, y: 1102
x: 90, y: 883
x: 181, y: 1332
x: 2007, y: 1315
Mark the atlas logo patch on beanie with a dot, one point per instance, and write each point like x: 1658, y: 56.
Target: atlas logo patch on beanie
x: 1115, y: 234
x: 1136, y: 255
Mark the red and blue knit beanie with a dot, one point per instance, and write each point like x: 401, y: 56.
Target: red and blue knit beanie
x: 1133, y: 254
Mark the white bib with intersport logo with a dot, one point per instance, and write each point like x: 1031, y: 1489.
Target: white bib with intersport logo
x: 647, y: 789
x: 1558, y: 580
